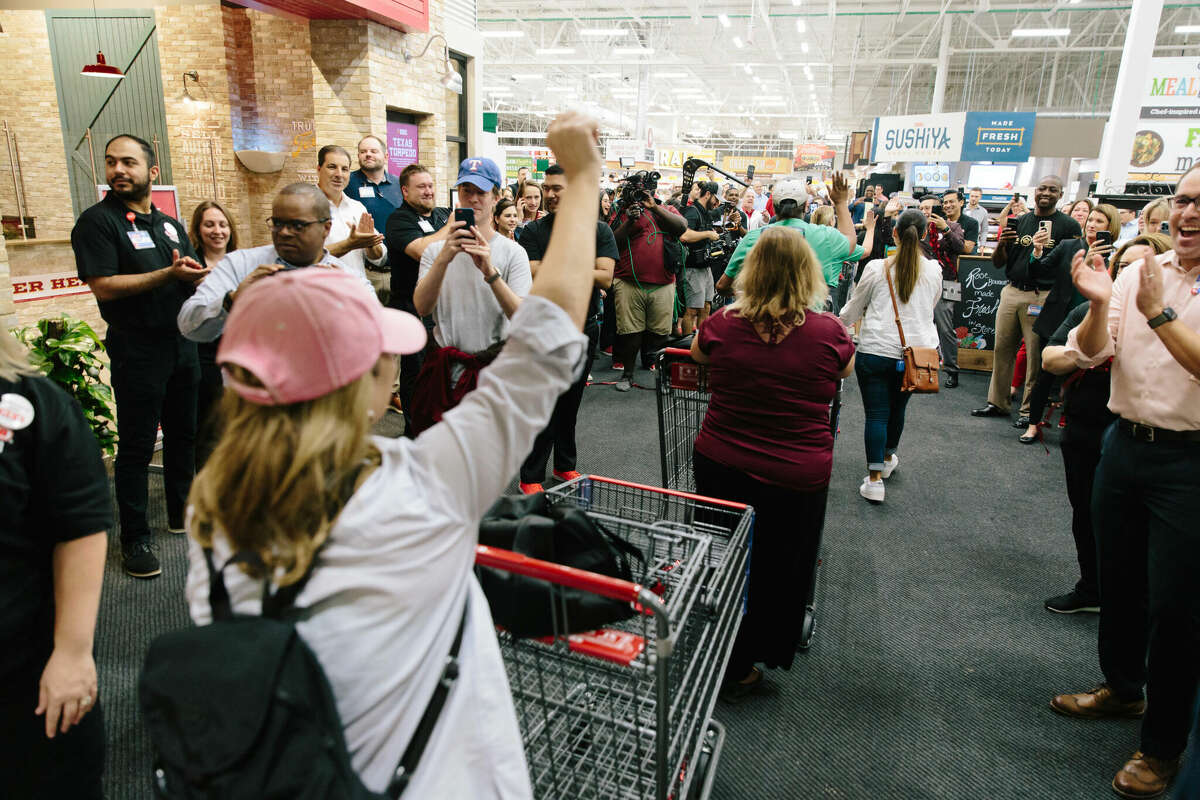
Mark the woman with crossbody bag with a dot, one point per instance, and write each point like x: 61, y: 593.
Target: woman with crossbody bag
x: 309, y: 359
x: 895, y: 299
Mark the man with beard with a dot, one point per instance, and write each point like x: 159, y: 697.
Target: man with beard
x: 698, y: 281
x: 379, y: 192
x: 411, y: 228
x: 141, y: 267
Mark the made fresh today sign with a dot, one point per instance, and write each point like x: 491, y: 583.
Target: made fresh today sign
x: 919, y: 137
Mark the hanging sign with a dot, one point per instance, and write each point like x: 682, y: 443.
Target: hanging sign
x: 998, y: 136
x: 918, y: 137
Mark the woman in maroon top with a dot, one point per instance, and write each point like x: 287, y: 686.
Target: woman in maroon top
x: 774, y: 364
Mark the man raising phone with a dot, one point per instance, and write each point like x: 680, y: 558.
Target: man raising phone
x: 1021, y: 300
x: 471, y: 282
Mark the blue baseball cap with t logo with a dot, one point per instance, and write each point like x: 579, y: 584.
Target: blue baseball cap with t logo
x: 480, y: 172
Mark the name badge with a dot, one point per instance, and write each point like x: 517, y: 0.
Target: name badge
x: 366, y: 191
x: 425, y: 225
x: 951, y: 290
x: 1034, y: 310
x: 141, y: 240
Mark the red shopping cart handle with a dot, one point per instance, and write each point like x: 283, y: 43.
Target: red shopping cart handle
x: 677, y: 351
x: 583, y: 580
x: 670, y: 492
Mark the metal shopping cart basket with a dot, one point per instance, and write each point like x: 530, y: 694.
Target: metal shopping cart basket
x: 683, y: 397
x: 625, y: 713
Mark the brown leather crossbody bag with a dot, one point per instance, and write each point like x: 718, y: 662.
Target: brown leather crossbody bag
x: 921, y: 364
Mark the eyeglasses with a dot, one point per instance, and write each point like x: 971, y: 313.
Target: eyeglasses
x: 296, y: 226
x: 1182, y: 201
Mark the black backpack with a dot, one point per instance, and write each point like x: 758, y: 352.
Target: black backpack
x: 241, y: 708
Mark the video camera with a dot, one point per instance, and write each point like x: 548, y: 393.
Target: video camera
x: 635, y: 188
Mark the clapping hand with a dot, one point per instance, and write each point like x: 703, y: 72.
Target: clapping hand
x: 1092, y: 279
x: 186, y: 268
x: 363, y: 234
x: 1150, y: 287
x: 839, y: 189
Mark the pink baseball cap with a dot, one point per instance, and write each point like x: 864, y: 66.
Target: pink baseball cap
x: 307, y: 332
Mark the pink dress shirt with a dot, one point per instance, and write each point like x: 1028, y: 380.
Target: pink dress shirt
x: 1148, y: 385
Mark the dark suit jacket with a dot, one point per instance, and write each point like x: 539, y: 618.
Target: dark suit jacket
x: 1062, y: 297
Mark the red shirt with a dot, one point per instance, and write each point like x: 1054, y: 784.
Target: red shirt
x: 646, y: 249
x: 769, y: 413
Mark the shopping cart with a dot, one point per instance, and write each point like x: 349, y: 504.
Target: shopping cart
x: 683, y: 397
x: 625, y: 713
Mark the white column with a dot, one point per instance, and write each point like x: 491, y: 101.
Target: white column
x: 639, y: 128
x: 1117, y: 145
x: 943, y: 65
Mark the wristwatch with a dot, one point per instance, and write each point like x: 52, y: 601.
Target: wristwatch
x: 1166, y: 316
x: 493, y: 277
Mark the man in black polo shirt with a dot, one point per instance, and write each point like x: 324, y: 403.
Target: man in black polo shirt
x: 140, y: 266
x: 412, y: 227
x: 1021, y: 300
x: 698, y: 281
x: 560, y: 433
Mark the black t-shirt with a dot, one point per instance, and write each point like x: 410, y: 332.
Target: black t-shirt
x: 698, y: 219
x: 1062, y: 227
x: 1085, y: 395
x: 970, y: 228
x: 405, y: 226
x: 107, y: 243
x: 535, y: 238
x: 53, y: 489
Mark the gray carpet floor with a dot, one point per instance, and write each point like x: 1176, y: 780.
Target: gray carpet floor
x: 933, y: 661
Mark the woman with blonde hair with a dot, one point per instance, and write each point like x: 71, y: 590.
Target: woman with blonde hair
x: 54, y: 514
x: 916, y: 284
x: 1153, y: 216
x: 774, y: 364
x: 379, y: 534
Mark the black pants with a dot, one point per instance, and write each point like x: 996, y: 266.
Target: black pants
x: 155, y: 378
x: 783, y: 551
x: 559, y: 435
x: 69, y: 765
x: 208, y: 399
x: 608, y: 328
x: 1081, y: 455
x: 1145, y: 505
x: 410, y: 368
x: 1040, y: 395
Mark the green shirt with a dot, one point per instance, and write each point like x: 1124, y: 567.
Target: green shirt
x: 827, y: 242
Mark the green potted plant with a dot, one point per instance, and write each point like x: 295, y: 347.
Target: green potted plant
x: 68, y: 351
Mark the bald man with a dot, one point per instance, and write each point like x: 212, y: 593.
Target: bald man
x: 1037, y: 232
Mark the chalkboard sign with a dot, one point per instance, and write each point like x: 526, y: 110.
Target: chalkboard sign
x: 975, y: 315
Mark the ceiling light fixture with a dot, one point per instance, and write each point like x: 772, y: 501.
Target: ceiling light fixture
x: 194, y: 102
x: 451, y: 80
x: 555, y: 51
x: 1187, y: 28
x: 633, y: 51
x: 669, y: 75
x: 1030, y: 33
x: 747, y: 68
x: 738, y: 43
x: 804, y: 47
x: 527, y: 76
x: 502, y: 34
x: 801, y: 27
x: 723, y: 19
x: 602, y: 31
x: 100, y: 69
x: 602, y: 75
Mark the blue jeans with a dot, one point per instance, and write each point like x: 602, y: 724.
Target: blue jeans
x: 883, y: 405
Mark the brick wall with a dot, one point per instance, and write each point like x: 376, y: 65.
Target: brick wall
x: 8, y: 314
x: 29, y: 103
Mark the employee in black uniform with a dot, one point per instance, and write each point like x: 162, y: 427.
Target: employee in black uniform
x: 141, y: 267
x: 560, y: 433
x: 411, y: 228
x: 1021, y: 300
x: 54, y: 512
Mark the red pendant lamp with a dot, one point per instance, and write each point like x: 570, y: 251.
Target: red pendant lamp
x: 101, y: 69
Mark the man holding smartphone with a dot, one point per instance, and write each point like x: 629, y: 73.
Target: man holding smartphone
x: 471, y: 283
x: 1021, y: 300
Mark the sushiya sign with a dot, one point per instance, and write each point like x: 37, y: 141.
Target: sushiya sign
x: 1005, y: 136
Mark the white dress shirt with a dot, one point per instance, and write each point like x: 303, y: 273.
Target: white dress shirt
x: 383, y: 605
x: 872, y: 301
x: 1148, y: 385
x: 202, y: 317
x: 344, y: 218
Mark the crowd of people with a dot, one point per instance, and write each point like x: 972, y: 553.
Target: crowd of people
x: 266, y: 368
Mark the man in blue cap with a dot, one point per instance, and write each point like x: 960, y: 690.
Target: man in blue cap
x: 471, y: 283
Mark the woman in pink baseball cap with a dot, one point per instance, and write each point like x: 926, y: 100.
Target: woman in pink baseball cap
x: 383, y: 531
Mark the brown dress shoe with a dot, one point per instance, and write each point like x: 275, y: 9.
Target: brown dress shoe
x: 1100, y: 703
x: 1145, y: 776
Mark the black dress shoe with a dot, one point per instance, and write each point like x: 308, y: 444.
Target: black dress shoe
x: 951, y: 381
x: 1022, y: 422
x: 990, y: 410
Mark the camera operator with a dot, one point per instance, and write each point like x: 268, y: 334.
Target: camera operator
x: 734, y: 218
x: 647, y: 234
x: 698, y: 279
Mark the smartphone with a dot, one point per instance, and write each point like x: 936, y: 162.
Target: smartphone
x: 1045, y: 225
x: 1011, y: 224
x: 466, y: 215
x: 1104, y: 237
x: 1165, y: 228
x: 1016, y: 196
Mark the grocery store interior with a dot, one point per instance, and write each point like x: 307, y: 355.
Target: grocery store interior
x: 717, y: 587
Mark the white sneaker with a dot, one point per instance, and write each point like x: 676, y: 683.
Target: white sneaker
x: 890, y: 464
x: 871, y: 490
